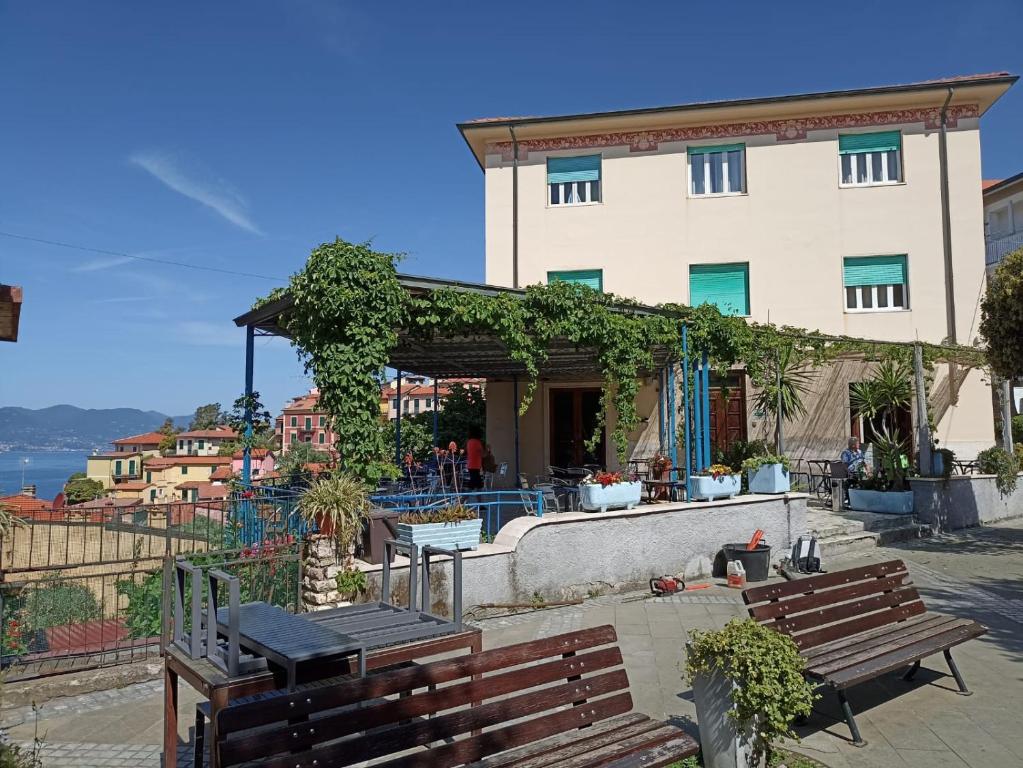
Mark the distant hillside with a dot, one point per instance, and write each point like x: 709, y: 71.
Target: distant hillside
x: 68, y: 427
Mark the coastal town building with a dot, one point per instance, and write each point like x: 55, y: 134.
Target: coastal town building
x: 823, y: 210
x: 166, y: 476
x: 418, y: 395
x: 1003, y: 218
x: 204, y: 442
x: 148, y: 444
x: 302, y: 421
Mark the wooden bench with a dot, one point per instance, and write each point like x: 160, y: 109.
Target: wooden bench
x: 855, y: 625
x: 560, y: 702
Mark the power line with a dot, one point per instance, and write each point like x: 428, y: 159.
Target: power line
x: 152, y: 259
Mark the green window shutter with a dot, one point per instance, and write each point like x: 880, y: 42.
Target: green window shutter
x: 583, y: 168
x: 202, y: 444
x: 874, y: 270
x: 884, y: 141
x: 131, y: 467
x: 592, y: 278
x: 715, y: 148
x: 184, y: 469
x: 726, y: 286
x: 149, y: 477
x: 117, y: 468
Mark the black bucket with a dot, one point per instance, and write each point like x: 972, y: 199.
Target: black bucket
x: 757, y: 562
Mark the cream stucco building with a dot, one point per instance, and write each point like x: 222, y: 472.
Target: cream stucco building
x: 822, y: 211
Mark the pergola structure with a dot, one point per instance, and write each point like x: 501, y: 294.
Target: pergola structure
x: 485, y: 356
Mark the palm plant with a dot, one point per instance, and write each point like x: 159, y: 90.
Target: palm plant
x: 882, y: 395
x: 891, y: 455
x: 789, y: 374
x: 339, y: 505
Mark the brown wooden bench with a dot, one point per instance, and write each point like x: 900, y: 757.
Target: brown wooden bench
x: 560, y: 702
x: 855, y: 625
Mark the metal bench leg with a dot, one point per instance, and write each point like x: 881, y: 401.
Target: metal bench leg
x: 851, y: 721
x: 199, y: 755
x: 963, y: 690
x: 911, y: 672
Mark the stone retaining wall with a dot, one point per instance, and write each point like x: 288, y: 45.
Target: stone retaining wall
x: 575, y: 554
x: 963, y: 501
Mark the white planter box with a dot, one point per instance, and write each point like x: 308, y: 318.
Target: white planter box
x: 883, y: 502
x: 769, y: 478
x: 721, y: 746
x: 464, y: 534
x: 596, y: 497
x: 708, y: 488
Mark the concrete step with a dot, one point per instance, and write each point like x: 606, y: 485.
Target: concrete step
x: 836, y: 547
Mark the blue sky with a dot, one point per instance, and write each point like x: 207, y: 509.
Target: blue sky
x: 241, y: 135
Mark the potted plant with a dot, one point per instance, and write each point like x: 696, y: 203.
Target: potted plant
x: 748, y: 686
x: 337, y: 506
x: 609, y: 490
x: 885, y: 489
x: 1003, y: 465
x: 453, y: 527
x: 767, y: 474
x: 351, y: 583
x: 717, y: 481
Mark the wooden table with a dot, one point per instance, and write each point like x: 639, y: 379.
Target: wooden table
x: 287, y: 639
x: 671, y: 486
x: 220, y: 689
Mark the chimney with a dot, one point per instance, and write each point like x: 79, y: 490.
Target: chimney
x: 28, y: 490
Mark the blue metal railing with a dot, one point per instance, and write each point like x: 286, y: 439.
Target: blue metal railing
x: 491, y: 506
x: 261, y: 513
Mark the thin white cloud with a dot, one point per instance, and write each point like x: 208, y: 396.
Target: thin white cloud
x: 106, y: 263
x: 202, y: 333
x: 197, y: 184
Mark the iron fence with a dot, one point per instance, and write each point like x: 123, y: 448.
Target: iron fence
x: 64, y: 620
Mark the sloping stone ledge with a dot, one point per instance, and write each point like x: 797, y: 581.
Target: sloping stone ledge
x: 963, y: 501
x: 576, y: 554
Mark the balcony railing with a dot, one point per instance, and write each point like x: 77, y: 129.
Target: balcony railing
x: 996, y: 249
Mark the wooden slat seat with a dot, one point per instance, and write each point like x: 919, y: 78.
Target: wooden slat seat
x: 855, y: 625
x: 561, y: 701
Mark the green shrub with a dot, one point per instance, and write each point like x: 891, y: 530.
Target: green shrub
x: 768, y: 672
x: 754, y: 463
x: 53, y: 603
x: 1003, y: 465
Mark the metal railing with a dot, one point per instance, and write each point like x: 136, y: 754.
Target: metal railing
x: 494, y: 508
x: 996, y: 249
x: 58, y: 621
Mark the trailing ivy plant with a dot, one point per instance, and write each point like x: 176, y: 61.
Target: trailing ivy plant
x: 769, y: 691
x: 348, y: 307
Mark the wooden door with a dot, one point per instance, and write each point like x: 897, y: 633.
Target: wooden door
x: 574, y: 414
x: 727, y: 414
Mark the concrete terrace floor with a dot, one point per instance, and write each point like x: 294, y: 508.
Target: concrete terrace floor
x: 975, y: 573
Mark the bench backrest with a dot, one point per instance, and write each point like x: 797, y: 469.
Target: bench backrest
x: 546, y: 687
x: 824, y: 608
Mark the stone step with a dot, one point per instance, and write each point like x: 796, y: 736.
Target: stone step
x: 844, y: 545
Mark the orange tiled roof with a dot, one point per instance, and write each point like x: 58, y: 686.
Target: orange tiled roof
x: 990, y: 183
x: 133, y: 486
x: 146, y: 438
x: 104, y: 503
x: 162, y: 462
x: 26, y: 506
x: 226, y: 432
x: 256, y: 453
x: 221, y: 473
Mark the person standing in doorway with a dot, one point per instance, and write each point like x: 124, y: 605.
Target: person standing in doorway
x: 474, y: 458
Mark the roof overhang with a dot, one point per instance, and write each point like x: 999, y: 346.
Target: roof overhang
x: 478, y: 356
x: 1003, y: 189
x: 10, y: 311
x: 982, y: 90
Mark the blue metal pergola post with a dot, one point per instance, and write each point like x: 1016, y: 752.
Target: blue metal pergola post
x: 250, y: 347
x: 672, y: 447
x: 685, y: 400
x: 661, y: 395
x: 397, y: 427
x: 436, y: 408
x: 706, y: 410
x: 697, y: 419
x: 515, y: 407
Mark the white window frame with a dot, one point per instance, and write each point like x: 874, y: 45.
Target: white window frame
x: 576, y: 187
x: 874, y: 291
x: 704, y: 157
x: 855, y: 158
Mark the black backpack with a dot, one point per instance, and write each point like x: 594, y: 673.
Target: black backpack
x: 806, y: 555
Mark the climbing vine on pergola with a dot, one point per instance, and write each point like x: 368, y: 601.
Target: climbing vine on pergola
x: 348, y: 307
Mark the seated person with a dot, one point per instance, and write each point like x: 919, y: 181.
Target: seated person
x: 853, y: 457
